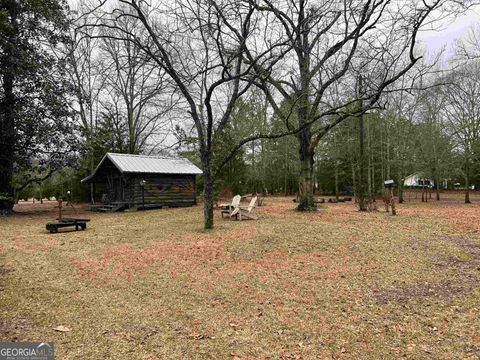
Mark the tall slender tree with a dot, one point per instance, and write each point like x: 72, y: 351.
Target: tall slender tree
x: 34, y: 126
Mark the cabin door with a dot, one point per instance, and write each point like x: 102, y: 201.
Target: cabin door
x: 118, y: 189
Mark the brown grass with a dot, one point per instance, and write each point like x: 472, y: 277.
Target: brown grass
x: 335, y: 284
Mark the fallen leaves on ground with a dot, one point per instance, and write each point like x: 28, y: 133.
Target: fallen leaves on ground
x: 334, y: 283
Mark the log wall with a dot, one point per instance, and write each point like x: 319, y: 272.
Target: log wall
x: 162, y: 190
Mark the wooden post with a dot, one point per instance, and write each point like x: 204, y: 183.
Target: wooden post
x: 389, y: 199
x: 142, y: 185
x: 392, y: 202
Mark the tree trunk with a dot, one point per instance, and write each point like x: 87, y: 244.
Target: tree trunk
x: 305, y: 185
x: 354, y: 183
x: 7, y: 139
x: 307, y: 149
x: 400, y: 190
x: 362, y: 185
x: 336, y: 180
x: 286, y: 170
x: 362, y: 175
x: 467, y: 191
x: 208, y: 197
x: 467, y: 183
x: 392, y: 204
x: 370, y: 166
x: 388, y: 153
x: 372, y: 173
x: 92, y: 185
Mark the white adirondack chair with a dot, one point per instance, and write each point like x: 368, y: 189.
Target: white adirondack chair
x: 248, y: 212
x: 230, y: 208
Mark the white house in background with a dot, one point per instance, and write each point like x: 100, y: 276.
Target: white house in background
x: 417, y: 180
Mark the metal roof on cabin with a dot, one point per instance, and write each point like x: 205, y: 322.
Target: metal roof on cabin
x: 128, y: 163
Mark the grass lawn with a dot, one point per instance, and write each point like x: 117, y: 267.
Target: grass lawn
x: 335, y: 284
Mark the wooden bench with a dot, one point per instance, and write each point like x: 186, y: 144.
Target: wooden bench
x: 66, y: 222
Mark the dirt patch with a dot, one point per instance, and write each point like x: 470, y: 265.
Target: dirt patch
x: 462, y: 266
x: 466, y: 266
x: 464, y: 243
x: 4, y: 271
x: 467, y: 261
x: 441, y: 291
x: 12, y: 329
x: 473, y: 350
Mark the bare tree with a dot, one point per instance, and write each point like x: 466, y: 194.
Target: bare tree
x: 84, y: 71
x: 401, y: 113
x: 468, y: 48
x: 331, y: 42
x: 138, y: 97
x: 462, y: 114
x: 434, y: 144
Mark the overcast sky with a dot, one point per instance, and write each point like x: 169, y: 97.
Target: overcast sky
x: 451, y: 31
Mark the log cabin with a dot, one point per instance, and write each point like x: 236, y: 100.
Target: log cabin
x: 122, y: 181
